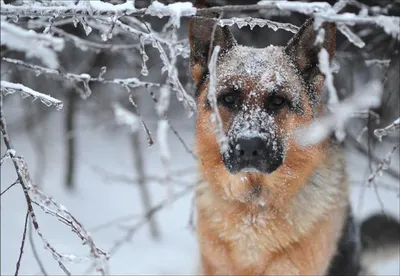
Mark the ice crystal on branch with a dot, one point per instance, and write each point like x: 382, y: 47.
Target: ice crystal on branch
x: 10, y: 88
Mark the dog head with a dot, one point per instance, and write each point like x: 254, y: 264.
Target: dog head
x: 263, y: 96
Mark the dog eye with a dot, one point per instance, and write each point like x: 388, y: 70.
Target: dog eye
x: 228, y: 99
x: 275, y: 102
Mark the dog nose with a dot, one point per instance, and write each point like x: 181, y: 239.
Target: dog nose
x: 250, y: 150
x: 254, y: 154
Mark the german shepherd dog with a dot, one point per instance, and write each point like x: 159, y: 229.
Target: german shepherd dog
x: 270, y: 206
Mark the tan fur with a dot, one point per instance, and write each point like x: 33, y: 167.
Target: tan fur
x: 250, y: 239
x: 291, y: 228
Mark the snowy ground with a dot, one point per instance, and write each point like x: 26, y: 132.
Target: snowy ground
x: 98, y: 201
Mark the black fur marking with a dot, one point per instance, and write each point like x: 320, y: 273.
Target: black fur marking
x: 203, y: 80
x: 380, y: 231
x: 347, y: 260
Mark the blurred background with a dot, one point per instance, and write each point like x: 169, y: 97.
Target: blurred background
x: 132, y: 202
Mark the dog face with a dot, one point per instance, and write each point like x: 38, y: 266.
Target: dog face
x: 263, y: 95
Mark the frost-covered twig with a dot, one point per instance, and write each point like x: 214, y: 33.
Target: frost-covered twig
x: 352, y: 37
x: 324, y: 10
x: 10, y: 88
x: 6, y: 156
x: 379, y: 62
x: 212, y: 97
x: 368, y: 96
x: 380, y: 132
x: 383, y: 165
x: 82, y: 78
x: 181, y: 94
x: 34, y: 196
x: 261, y: 22
x: 187, y: 148
x: 130, y: 119
x: 42, y: 46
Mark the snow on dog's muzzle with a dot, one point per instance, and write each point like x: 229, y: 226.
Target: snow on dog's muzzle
x: 253, y: 145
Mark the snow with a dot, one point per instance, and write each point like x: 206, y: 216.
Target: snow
x: 9, y: 88
x: 366, y: 97
x: 297, y: 6
x: 352, y: 37
x: 98, y: 5
x: 127, y: 118
x: 174, y: 10
x: 42, y: 46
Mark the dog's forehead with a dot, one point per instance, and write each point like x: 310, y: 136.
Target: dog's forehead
x: 270, y: 66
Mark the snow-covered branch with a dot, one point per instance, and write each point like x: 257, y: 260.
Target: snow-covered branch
x: 42, y: 46
x: 129, y: 83
x: 322, y: 10
x: 260, y: 22
x: 126, y: 118
x: 380, y: 132
x: 384, y: 165
x: 10, y: 88
x: 212, y: 98
x: 367, y: 97
x: 33, y: 196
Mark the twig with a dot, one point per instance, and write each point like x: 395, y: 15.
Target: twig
x: 130, y: 232
x: 9, y: 187
x: 380, y: 132
x: 70, y: 117
x: 83, y: 78
x: 383, y: 165
x: 10, y: 88
x: 25, y: 186
x: 34, y: 251
x: 187, y: 148
x: 5, y: 157
x: 142, y: 221
x: 143, y: 184
x: 45, y: 202
x: 21, y: 249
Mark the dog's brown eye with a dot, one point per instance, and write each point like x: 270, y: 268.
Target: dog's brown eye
x: 275, y: 102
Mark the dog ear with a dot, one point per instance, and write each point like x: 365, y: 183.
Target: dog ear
x: 202, y: 32
x: 303, y: 48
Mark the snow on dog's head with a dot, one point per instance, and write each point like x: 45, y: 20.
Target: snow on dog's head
x: 263, y: 96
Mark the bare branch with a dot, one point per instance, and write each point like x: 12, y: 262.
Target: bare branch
x: 21, y: 249
x: 9, y: 187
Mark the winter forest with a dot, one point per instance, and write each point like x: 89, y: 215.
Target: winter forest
x: 98, y: 164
